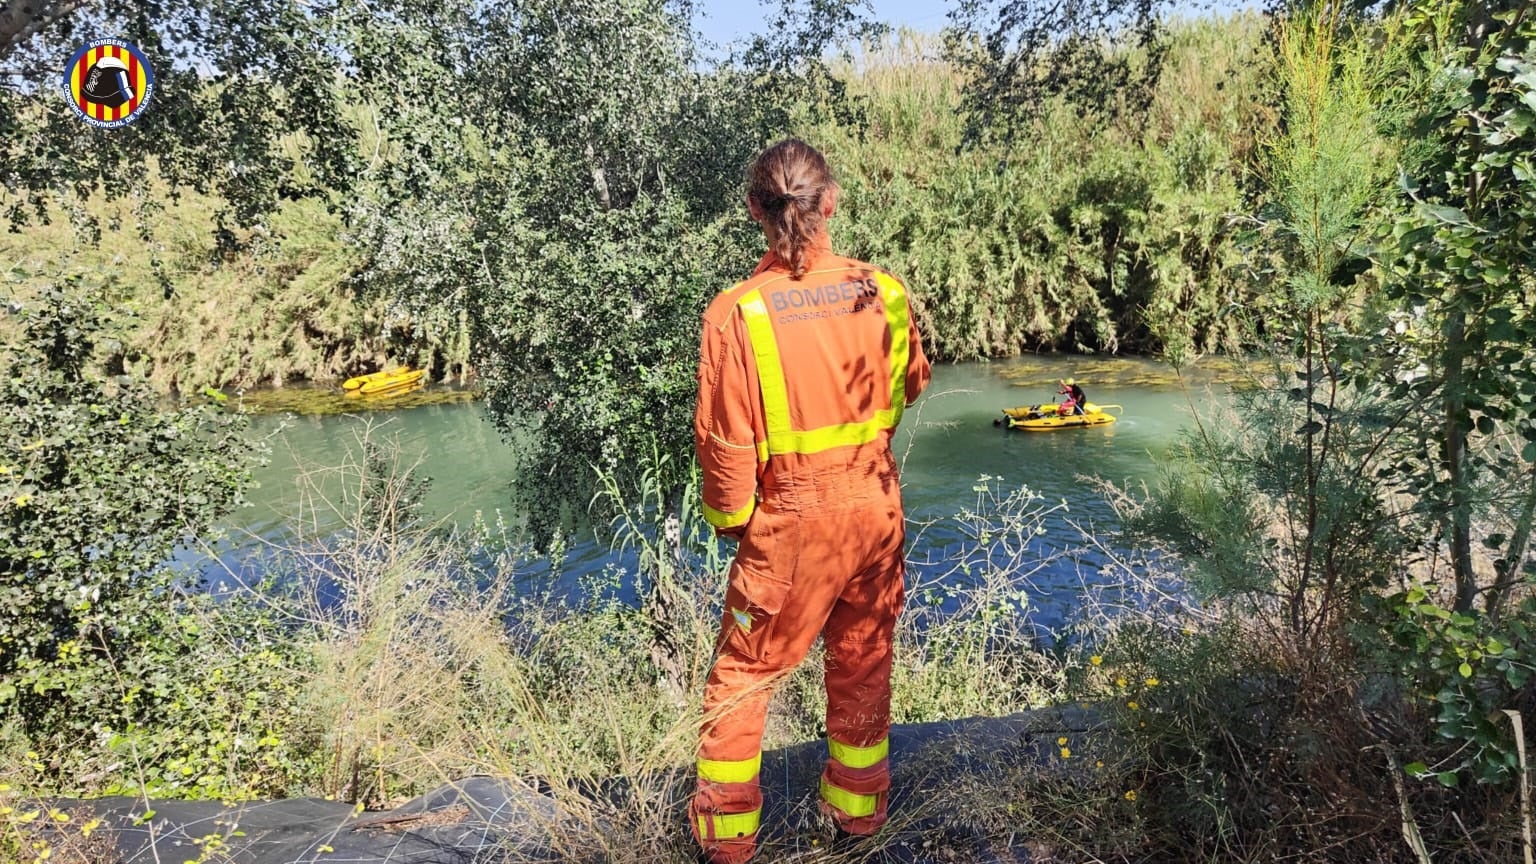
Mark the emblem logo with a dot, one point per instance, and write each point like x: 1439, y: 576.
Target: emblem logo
x: 108, y: 83
x: 743, y: 619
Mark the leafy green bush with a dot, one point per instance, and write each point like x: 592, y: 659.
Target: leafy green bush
x: 99, y: 485
x: 1469, y: 669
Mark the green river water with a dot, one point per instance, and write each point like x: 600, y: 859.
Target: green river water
x: 946, y: 443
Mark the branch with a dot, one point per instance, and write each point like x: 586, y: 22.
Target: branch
x: 21, y: 19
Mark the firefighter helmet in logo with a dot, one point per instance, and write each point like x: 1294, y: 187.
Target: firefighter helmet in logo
x: 108, y: 83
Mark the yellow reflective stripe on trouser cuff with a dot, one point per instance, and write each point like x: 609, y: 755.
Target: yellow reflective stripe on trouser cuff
x: 859, y: 757
x: 852, y: 804
x: 721, y: 519
x: 740, y: 771
x: 729, y: 825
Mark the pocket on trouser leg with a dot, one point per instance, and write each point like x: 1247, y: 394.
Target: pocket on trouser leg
x: 747, y: 629
x: 856, y: 797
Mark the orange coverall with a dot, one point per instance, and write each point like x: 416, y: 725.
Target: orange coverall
x: 801, y: 384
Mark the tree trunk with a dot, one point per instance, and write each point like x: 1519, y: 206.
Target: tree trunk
x: 1508, y: 567
x: 664, y: 603
x: 599, y: 179
x: 1457, y: 464
x: 19, y: 19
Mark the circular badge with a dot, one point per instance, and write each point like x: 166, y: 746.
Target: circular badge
x: 108, y: 83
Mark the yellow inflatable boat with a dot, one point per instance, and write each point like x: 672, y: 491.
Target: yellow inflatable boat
x: 1047, y: 417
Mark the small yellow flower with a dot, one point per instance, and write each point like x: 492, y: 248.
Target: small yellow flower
x: 1120, y: 682
x: 1096, y: 660
x: 1066, y: 752
x: 1153, y: 682
x: 22, y: 500
x: 1099, y: 764
x: 1133, y: 705
x: 1062, y: 741
x: 1130, y: 795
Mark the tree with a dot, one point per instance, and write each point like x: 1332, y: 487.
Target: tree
x: 580, y: 205
x: 98, y: 486
x: 1103, y: 57
x: 245, y: 91
x: 1281, y: 506
x: 1460, y: 275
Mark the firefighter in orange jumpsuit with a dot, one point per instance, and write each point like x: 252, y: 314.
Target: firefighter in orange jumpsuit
x: 804, y: 371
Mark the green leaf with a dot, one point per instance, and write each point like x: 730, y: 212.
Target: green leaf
x: 1447, y: 779
x: 1416, y: 769
x: 1448, y: 215
x: 1465, y: 669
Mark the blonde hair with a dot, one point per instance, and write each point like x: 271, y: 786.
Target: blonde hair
x: 787, y: 183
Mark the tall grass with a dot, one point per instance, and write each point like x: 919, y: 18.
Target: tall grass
x: 238, y: 308
x: 405, y: 655
x: 1081, y: 237
x: 1078, y: 237
x: 395, y: 655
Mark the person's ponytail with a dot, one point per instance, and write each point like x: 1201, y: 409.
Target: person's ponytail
x: 787, y: 184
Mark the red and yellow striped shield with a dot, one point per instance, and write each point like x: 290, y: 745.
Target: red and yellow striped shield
x: 109, y: 83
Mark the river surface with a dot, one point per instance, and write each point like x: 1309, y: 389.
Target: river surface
x: 947, y: 444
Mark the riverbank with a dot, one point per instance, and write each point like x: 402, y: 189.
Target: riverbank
x: 313, y: 400
x: 1036, y: 376
x: 406, y: 678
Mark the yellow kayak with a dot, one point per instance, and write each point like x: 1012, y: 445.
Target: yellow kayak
x: 376, y: 382
x: 358, y: 382
x: 382, y: 395
x: 395, y: 381
x: 1048, y: 417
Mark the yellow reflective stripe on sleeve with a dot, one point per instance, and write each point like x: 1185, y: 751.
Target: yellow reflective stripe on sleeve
x: 721, y: 519
x: 718, y: 771
x: 852, y: 804
x: 894, y: 299
x: 859, y: 757
x: 770, y: 367
x: 727, y: 825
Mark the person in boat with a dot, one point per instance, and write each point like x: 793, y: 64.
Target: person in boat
x: 1076, y: 401
x: 793, y: 433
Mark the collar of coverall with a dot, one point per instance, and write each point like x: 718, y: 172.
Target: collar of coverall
x: 820, y: 245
